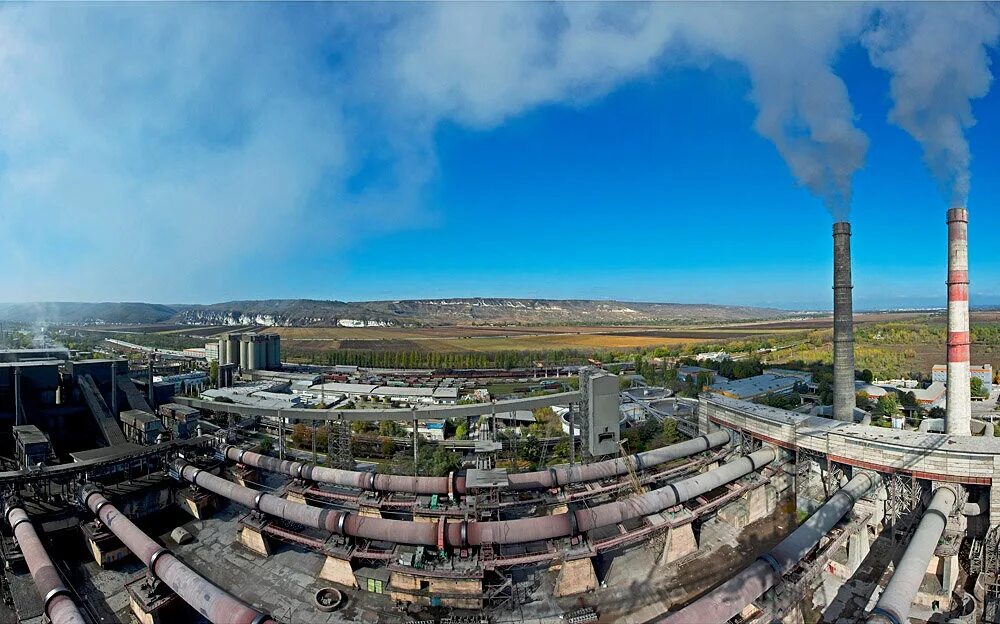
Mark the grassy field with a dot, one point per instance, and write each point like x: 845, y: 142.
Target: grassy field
x: 459, y: 339
x: 890, y: 344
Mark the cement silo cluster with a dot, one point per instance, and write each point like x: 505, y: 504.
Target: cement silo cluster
x: 251, y: 351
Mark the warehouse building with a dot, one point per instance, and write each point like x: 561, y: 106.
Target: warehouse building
x: 755, y: 387
x: 984, y: 373
x: 403, y: 394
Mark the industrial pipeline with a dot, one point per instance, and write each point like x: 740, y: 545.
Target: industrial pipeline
x: 893, y: 606
x: 59, y: 606
x: 464, y: 533
x: 729, y: 599
x: 455, y: 484
x: 214, y: 603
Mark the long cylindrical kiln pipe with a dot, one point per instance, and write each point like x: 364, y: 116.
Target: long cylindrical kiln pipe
x: 844, y: 400
x: 893, y: 605
x: 465, y: 533
x: 958, y: 419
x: 214, y: 603
x: 538, y: 480
x: 728, y: 599
x: 59, y: 606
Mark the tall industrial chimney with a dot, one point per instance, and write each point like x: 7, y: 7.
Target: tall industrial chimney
x: 844, y: 399
x: 958, y: 419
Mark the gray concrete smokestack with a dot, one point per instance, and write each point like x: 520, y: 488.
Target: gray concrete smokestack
x: 958, y: 419
x: 843, y: 325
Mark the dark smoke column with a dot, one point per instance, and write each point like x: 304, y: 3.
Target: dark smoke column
x: 843, y: 325
x: 958, y: 420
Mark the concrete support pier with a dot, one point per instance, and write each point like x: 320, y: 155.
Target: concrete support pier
x: 102, y: 544
x: 680, y: 543
x: 253, y: 538
x: 575, y: 577
x: 858, y: 546
x: 338, y: 571
x: 153, y: 602
x: 197, y: 502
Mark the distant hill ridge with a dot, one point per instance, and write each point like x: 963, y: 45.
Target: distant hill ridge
x: 437, y: 311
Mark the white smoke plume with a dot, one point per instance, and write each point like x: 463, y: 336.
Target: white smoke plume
x: 479, y: 64
x: 937, y: 56
x: 803, y: 106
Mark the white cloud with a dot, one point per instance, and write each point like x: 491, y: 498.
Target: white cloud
x: 169, y: 147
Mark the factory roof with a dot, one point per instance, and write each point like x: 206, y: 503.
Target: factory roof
x: 754, y: 386
x: 975, y: 367
x: 930, y: 394
x: 29, y: 434
x: 693, y: 370
x: 387, y: 391
x: 27, y: 363
x: 344, y: 388
x: 287, y: 376
x: 872, y: 390
x: 178, y: 408
x: 8, y: 355
x: 105, y: 452
x: 521, y: 416
x: 181, y: 376
x: 787, y: 372
x: 136, y: 418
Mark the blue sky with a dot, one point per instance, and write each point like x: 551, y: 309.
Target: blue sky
x: 204, y: 153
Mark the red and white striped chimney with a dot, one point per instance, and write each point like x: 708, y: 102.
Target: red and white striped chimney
x: 958, y: 420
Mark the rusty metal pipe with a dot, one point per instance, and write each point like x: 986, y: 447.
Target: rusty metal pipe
x: 59, y: 606
x: 897, y: 598
x: 538, y: 480
x: 462, y: 533
x: 214, y: 603
x: 333, y: 521
x: 666, y: 497
x: 727, y: 600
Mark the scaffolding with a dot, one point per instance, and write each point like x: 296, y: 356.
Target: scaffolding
x: 338, y: 445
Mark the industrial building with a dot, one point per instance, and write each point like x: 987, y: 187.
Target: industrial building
x: 690, y: 373
x: 31, y: 447
x: 264, y: 394
x: 184, y: 383
x: 181, y: 421
x: 142, y: 428
x: 403, y: 394
x: 931, y: 396
x: 756, y: 387
x: 983, y: 372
